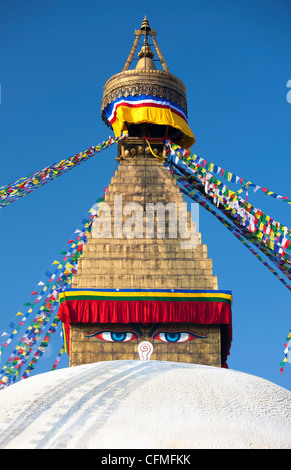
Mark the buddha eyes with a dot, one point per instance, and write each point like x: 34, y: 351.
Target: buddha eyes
x: 164, y: 336
x: 173, y: 337
x: 176, y: 336
x: 114, y: 336
x: 117, y: 336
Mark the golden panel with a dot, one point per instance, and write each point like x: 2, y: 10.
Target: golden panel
x: 202, y: 350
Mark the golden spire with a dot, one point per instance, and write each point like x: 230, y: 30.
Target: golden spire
x: 146, y: 30
x: 145, y: 24
x: 145, y: 58
x: 144, y: 97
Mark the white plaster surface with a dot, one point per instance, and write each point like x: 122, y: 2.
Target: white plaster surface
x: 145, y: 405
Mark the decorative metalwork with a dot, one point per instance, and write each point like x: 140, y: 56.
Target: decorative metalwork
x: 144, y: 81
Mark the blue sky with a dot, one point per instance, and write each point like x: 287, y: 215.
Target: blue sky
x: 234, y: 58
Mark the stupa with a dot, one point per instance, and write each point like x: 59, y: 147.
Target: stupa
x: 145, y: 288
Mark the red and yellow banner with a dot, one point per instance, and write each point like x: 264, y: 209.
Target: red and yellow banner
x: 151, y: 109
x: 145, y: 306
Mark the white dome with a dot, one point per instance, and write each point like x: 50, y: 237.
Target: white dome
x: 144, y: 405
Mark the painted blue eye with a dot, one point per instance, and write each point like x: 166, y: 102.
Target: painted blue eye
x: 118, y: 336
x: 172, y: 337
x: 113, y: 336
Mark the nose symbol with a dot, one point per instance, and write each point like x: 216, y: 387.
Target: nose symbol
x: 145, y: 349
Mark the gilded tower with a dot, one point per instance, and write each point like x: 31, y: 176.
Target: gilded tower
x: 145, y: 286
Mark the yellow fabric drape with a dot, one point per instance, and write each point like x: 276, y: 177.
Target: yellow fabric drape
x: 152, y: 115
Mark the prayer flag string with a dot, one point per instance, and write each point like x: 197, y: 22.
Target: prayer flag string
x: 55, y: 280
x: 243, y: 220
x: 197, y: 197
x: 228, y: 175
x: 280, y: 264
x: 14, y: 191
x: 270, y: 237
x: 57, y: 360
x: 287, y: 353
x: 40, y: 350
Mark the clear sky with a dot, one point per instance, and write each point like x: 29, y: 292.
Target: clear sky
x: 235, y: 60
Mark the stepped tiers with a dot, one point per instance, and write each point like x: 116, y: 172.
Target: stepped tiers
x: 139, y: 263
x: 136, y: 254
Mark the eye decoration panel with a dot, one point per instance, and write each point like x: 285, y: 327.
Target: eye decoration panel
x: 161, y: 341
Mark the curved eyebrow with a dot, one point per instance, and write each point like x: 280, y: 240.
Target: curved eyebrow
x: 135, y: 328
x: 130, y: 327
x: 154, y: 329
